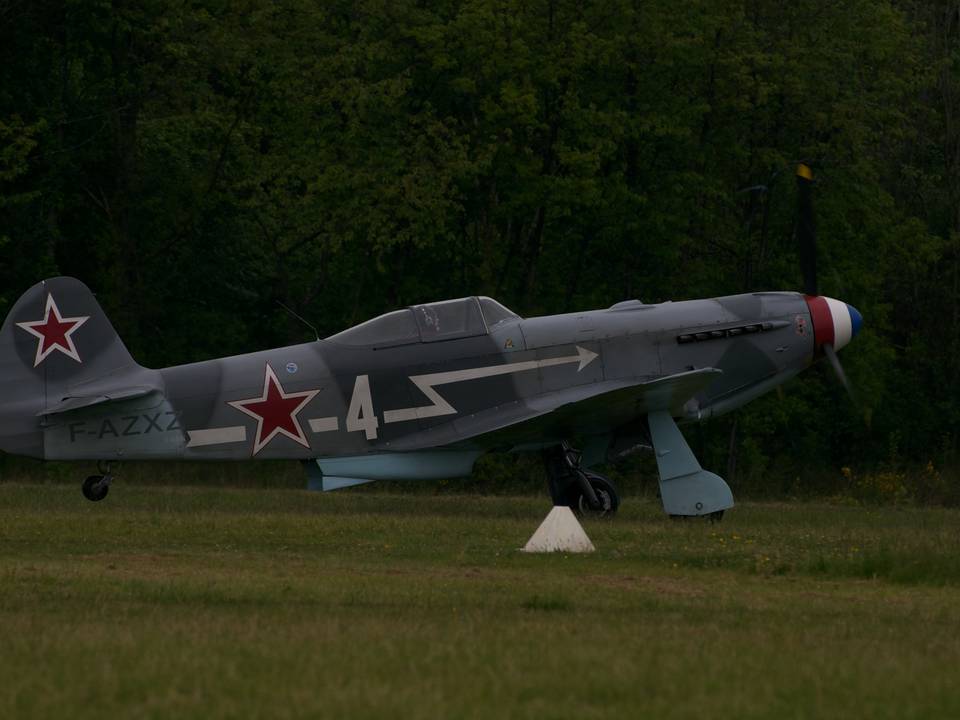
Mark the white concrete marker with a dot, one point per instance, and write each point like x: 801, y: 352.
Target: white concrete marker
x: 560, y: 531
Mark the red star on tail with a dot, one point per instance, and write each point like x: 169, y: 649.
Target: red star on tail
x: 54, y: 332
x: 276, y: 412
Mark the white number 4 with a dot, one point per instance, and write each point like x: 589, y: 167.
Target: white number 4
x: 360, y: 415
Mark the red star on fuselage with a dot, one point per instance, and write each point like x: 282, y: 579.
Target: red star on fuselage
x: 54, y: 332
x: 276, y: 412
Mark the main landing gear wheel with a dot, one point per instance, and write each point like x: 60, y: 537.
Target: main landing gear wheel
x: 607, y: 496
x: 586, y: 493
x: 96, y: 487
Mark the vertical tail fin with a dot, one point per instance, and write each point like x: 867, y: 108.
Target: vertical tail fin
x: 55, y: 339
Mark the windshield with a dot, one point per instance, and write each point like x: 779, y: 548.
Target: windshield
x: 494, y: 313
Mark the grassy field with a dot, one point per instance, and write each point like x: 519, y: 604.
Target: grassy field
x: 208, y: 603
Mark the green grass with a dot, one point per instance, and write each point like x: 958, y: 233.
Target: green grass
x: 208, y: 603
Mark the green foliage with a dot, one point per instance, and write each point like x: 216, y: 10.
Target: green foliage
x: 200, y: 163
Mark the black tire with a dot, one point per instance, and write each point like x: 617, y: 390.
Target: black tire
x: 95, y: 489
x: 606, y: 493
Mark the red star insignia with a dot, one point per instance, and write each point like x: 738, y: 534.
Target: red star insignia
x: 276, y: 411
x: 54, y: 332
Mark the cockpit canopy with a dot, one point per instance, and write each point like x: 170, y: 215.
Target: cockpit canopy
x: 431, y: 322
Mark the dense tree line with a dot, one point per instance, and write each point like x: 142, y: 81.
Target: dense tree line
x: 197, y: 162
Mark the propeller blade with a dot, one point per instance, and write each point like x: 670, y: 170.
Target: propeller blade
x: 807, y: 229
x: 838, y: 369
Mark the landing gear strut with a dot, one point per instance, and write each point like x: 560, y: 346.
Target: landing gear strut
x: 586, y: 493
x: 96, y: 487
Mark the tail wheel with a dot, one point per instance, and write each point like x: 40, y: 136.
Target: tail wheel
x: 96, y: 487
x: 605, y: 491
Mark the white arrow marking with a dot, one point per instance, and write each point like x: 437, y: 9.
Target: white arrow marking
x: 216, y: 436
x: 440, y: 406
x: 325, y: 424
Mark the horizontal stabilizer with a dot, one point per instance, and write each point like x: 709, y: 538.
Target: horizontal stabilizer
x: 78, y: 402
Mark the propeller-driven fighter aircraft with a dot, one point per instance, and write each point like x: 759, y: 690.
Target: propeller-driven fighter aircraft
x: 421, y: 392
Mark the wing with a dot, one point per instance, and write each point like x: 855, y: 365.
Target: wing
x: 595, y: 408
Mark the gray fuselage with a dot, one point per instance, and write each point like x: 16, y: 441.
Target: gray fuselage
x: 379, y: 397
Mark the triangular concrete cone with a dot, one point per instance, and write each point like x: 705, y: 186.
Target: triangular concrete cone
x: 560, y: 531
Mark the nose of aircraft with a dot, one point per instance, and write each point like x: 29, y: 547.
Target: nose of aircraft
x: 856, y: 320
x: 834, y: 322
